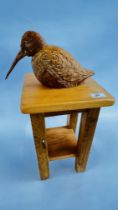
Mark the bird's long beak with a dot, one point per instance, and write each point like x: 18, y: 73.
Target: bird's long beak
x: 19, y: 56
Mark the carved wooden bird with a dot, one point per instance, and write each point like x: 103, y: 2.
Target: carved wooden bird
x: 52, y: 65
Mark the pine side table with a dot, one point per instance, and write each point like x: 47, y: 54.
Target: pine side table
x: 60, y: 142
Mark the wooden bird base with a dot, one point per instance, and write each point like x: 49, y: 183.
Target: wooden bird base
x: 60, y: 142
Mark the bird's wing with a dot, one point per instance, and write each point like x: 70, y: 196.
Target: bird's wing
x: 63, y: 66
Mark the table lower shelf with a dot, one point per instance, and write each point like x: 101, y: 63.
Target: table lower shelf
x: 61, y: 143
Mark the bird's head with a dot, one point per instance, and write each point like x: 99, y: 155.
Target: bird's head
x: 31, y: 43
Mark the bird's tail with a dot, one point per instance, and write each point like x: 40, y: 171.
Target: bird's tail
x: 90, y: 72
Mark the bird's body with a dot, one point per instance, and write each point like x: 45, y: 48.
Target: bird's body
x: 52, y: 66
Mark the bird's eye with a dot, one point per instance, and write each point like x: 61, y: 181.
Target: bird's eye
x: 27, y: 45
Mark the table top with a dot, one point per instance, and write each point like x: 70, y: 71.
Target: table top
x: 37, y: 98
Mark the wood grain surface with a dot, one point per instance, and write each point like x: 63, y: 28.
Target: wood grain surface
x: 87, y: 129
x: 38, y: 127
x: 72, y: 120
x: 37, y: 98
x: 61, y: 143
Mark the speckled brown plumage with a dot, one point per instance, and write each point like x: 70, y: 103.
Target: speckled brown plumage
x: 52, y: 66
x: 56, y: 68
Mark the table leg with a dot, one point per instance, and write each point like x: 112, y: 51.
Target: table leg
x: 87, y: 128
x: 72, y: 120
x: 38, y: 127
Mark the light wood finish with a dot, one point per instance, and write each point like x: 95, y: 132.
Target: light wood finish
x: 87, y: 128
x: 50, y: 114
x: 61, y: 143
x: 72, y: 120
x: 40, y: 99
x: 38, y: 127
